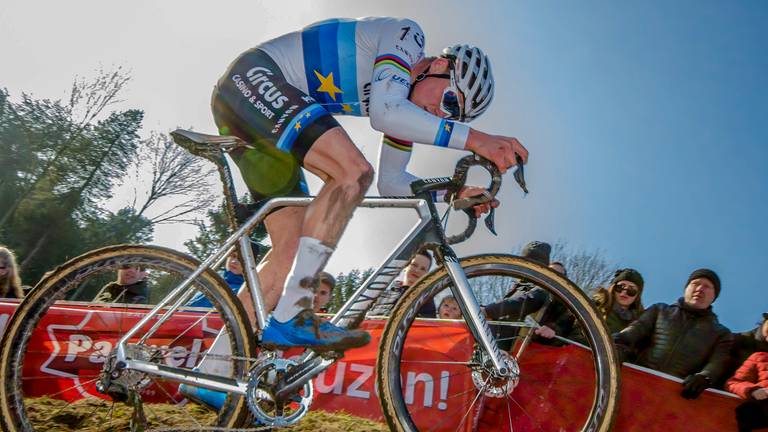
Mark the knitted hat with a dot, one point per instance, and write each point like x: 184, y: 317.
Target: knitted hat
x: 706, y: 274
x: 537, y: 251
x: 628, y: 274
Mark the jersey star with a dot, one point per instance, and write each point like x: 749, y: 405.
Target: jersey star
x: 346, y: 107
x: 327, y: 85
x: 447, y: 127
x: 297, y: 126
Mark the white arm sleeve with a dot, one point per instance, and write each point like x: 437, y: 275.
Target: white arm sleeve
x: 394, y: 180
x: 400, y: 47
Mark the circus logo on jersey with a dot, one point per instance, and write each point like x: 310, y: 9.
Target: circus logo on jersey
x: 259, y: 76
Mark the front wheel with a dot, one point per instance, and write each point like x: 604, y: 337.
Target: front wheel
x: 433, y: 375
x: 60, y: 342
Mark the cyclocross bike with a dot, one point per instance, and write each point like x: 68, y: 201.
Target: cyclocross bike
x: 68, y: 362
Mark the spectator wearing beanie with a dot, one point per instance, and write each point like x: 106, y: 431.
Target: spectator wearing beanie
x: 747, y: 343
x: 524, y: 297
x: 683, y: 339
x: 621, y: 303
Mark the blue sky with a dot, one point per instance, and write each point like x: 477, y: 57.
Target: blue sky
x: 645, y: 120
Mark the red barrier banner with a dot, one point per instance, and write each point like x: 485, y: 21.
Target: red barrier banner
x: 67, y: 351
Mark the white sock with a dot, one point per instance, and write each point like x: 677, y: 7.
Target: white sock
x: 298, y: 291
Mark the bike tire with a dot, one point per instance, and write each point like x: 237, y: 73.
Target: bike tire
x: 398, y: 353
x: 57, y: 284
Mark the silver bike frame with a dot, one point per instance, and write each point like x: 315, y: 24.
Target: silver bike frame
x: 351, y: 312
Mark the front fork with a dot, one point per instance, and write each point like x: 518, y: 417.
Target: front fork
x: 478, y: 326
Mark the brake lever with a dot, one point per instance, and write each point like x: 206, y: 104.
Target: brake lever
x: 489, y: 221
x: 520, y: 173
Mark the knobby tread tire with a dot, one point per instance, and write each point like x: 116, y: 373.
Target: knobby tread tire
x: 388, y: 379
x: 45, y: 290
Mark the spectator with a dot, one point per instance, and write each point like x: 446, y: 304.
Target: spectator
x: 232, y: 274
x: 558, y: 267
x: 417, y: 267
x: 10, y: 282
x: 324, y: 292
x: 683, y: 339
x: 747, y: 343
x: 619, y: 305
x: 751, y: 383
x: 524, y: 297
x: 449, y: 308
x: 130, y: 287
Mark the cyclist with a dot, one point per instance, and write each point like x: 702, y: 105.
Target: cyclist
x: 281, y: 97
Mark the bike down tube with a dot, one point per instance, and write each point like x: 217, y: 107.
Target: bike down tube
x: 341, y: 318
x: 347, y: 314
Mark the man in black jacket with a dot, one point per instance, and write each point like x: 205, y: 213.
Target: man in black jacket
x: 130, y: 287
x: 683, y: 339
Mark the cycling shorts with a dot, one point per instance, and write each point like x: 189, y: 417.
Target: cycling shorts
x: 255, y: 102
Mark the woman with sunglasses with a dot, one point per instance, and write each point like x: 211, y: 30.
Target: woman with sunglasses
x: 10, y: 282
x: 619, y: 305
x: 281, y: 97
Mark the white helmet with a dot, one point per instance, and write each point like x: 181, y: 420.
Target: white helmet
x: 473, y: 77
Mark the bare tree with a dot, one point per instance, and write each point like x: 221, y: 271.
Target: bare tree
x: 179, y: 183
x: 88, y: 99
x: 588, y: 269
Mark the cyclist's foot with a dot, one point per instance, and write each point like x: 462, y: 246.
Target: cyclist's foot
x: 211, y: 398
x: 307, y: 330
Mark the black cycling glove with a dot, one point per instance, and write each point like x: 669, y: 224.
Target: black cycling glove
x: 694, y: 384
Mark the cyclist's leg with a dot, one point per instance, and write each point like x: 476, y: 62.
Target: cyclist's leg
x: 284, y: 229
x: 347, y: 175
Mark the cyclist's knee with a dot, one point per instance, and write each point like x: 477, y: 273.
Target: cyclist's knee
x: 356, y: 179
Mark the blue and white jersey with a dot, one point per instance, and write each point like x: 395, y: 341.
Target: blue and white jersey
x: 362, y: 67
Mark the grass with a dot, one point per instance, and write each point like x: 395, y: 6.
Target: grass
x: 92, y: 415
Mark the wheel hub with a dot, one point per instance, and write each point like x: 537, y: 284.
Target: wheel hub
x: 489, y: 381
x: 118, y: 382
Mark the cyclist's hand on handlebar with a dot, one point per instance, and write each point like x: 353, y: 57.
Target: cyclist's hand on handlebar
x: 498, y: 149
x: 470, y: 191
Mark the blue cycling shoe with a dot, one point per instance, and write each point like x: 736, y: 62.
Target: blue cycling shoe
x: 307, y: 330
x: 211, y: 398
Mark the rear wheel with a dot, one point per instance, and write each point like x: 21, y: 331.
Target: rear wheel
x: 433, y: 375
x: 57, y: 344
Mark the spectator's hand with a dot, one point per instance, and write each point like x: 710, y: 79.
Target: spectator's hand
x: 469, y: 191
x: 545, y: 332
x: 694, y: 384
x: 760, y: 394
x: 498, y: 149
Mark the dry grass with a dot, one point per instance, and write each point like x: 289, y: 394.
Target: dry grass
x: 92, y: 415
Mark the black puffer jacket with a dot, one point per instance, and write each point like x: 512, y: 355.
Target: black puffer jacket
x: 678, y: 340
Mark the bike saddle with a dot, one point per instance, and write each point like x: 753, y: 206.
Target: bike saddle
x: 204, y: 145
